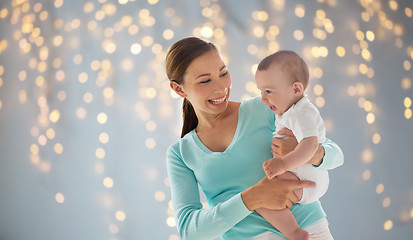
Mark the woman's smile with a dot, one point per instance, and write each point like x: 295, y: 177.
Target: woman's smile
x: 218, y: 101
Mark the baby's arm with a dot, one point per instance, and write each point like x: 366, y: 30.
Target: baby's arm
x: 304, y: 151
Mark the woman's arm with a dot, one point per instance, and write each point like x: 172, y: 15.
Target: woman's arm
x: 194, y: 222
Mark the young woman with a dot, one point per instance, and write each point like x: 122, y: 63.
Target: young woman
x: 222, y: 148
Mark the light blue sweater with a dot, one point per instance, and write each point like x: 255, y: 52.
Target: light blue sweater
x: 224, y: 175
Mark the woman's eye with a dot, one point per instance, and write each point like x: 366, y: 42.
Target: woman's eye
x: 205, y: 81
x: 267, y: 91
x: 225, y: 73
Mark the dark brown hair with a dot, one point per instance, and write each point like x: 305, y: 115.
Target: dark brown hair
x: 290, y: 63
x: 178, y: 58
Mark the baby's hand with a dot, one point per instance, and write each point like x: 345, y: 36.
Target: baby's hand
x: 273, y: 167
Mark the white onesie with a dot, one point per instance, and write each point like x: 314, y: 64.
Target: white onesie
x: 304, y: 120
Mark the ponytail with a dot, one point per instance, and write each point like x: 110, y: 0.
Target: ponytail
x: 190, y: 120
x: 178, y: 58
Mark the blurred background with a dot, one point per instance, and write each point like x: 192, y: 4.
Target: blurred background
x: 86, y: 112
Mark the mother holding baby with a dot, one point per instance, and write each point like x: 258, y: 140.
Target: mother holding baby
x: 222, y: 149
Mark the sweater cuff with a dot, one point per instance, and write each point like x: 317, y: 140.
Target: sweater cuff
x: 235, y: 207
x: 333, y: 157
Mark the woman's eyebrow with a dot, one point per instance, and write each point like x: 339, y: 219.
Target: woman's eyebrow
x: 208, y: 74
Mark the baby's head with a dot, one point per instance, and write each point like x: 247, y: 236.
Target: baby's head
x: 282, y: 78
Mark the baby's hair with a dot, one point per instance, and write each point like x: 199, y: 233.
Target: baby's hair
x: 290, y: 63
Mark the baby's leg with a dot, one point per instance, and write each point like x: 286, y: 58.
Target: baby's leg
x: 284, y: 220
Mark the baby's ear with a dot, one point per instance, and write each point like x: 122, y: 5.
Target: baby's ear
x: 298, y: 88
x: 177, y: 88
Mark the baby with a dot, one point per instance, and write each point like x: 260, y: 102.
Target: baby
x: 282, y: 79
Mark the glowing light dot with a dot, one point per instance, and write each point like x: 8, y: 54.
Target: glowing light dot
x: 411, y: 213
x: 150, y: 93
x: 341, y: 52
x: 376, y: 138
x: 370, y: 118
x: 298, y: 35
x: 170, y: 221
x: 407, y: 102
x: 380, y: 188
x: 100, y: 153
x: 393, y: 5
x: 103, y: 138
x: 368, y: 106
x: 408, y: 12
x: 60, y: 198
x: 108, y: 182
x: 318, y: 89
x: 258, y: 31
x: 160, y: 196
x: 408, y: 113
x: 320, y: 14
x: 102, y: 118
x: 88, y: 7
x: 88, y: 97
x: 109, y: 46
x: 3, y: 13
x: 135, y: 48
x: 81, y: 113
x: 150, y: 143
x: 406, y: 83
x: 168, y: 34
x: 50, y: 133
x: 22, y: 75
x: 300, y: 10
x: 366, y: 175
x: 388, y: 225
x: 150, y: 126
x: 367, y: 156
x: 386, y: 202
x: 363, y: 68
x: 54, y: 116
x: 370, y: 36
x: 147, y: 41
x: 174, y: 237
x: 34, y: 149
x: 83, y: 77
x: 45, y: 167
x: 120, y: 216
x: 58, y: 3
x: 58, y: 148
x: 359, y: 35
x: 320, y: 102
x: 153, y: 2
x: 207, y: 31
x: 318, y: 72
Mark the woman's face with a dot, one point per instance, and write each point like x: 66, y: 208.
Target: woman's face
x: 207, y: 83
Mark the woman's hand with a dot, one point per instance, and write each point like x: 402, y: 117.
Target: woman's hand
x: 273, y: 193
x: 281, y: 147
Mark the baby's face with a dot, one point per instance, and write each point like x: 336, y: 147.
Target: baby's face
x: 277, y: 91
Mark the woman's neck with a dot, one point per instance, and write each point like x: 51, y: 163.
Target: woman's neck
x: 209, y: 121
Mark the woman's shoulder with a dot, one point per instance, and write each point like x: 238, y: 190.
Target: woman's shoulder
x: 176, y: 147
x: 255, y: 105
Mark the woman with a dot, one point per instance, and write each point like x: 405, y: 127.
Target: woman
x: 222, y: 147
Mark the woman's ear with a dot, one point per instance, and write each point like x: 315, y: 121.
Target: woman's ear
x: 177, y: 88
x: 298, y: 88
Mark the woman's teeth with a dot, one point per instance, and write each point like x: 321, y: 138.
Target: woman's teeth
x: 218, y: 100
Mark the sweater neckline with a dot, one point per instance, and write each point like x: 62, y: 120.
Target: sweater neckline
x: 230, y: 146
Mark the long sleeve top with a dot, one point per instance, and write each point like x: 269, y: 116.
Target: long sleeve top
x: 224, y: 175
